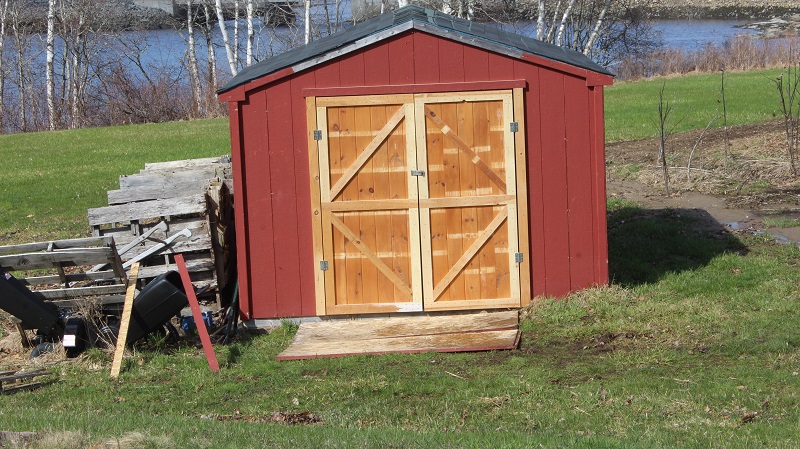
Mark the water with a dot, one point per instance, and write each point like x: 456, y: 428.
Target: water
x: 696, y: 34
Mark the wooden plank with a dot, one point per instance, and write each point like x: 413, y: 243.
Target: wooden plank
x: 363, y: 100
x: 416, y: 187
x: 30, y: 261
x: 367, y: 152
x: 349, y: 153
x: 400, y: 188
x: 469, y: 216
x: 450, y: 55
x: 365, y: 180
x: 197, y: 315
x: 401, y: 59
x: 512, y: 241
x: 186, y: 163
x: 79, y: 292
x: 157, y: 192
x: 600, y: 231
x: 426, y: 48
x: 194, y: 204
x: 149, y: 178
x: 329, y: 244
x: 369, y: 205
x: 316, y: 209
x: 334, y: 330
x: 481, y: 239
x: 71, y: 277
x: 453, y: 218
x: 124, y: 322
x: 384, y: 88
x: 383, y: 194
x: 466, y: 149
x: 522, y: 198
x: 55, y: 245
x: 429, y: 159
x: 486, y: 136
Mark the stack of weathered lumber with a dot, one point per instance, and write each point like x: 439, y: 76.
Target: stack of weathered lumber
x: 169, y: 208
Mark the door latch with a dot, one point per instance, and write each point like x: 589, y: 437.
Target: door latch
x: 417, y: 172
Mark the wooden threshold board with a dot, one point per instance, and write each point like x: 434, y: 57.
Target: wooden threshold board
x: 483, y: 331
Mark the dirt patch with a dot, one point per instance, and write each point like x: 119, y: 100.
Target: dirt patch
x: 739, y: 190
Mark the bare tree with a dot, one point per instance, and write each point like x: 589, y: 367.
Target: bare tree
x: 191, y: 54
x: 665, y: 127
x: 788, y: 86
x: 3, y: 17
x: 250, y: 32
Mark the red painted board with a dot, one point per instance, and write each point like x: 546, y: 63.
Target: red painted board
x: 351, y: 69
x: 599, y: 180
x: 426, y: 54
x: 240, y: 213
x: 197, y: 314
x: 554, y: 183
x: 580, y: 189
x: 401, y: 59
x: 451, y: 61
x: 307, y: 296
x: 285, y: 220
x: 377, y: 59
x: 476, y: 67
x: 260, y: 232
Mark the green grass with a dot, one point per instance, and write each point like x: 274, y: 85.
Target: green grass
x: 680, y: 353
x: 781, y: 222
x: 631, y: 107
x: 48, y: 180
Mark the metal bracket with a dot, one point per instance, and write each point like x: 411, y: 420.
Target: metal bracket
x: 514, y: 126
x: 317, y: 134
x: 417, y: 172
x: 518, y: 257
x: 323, y: 265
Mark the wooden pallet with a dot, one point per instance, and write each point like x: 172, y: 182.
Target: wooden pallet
x: 192, y: 195
x: 46, y: 261
x: 11, y: 381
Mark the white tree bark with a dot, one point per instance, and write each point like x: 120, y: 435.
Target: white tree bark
x: 3, y: 16
x: 307, y: 20
x: 49, y: 69
x: 212, y: 55
x: 225, y: 40
x: 194, y: 72
x: 596, y: 30
x: 251, y: 33
x: 402, y: 3
x: 563, y: 24
x: 236, y: 33
x: 552, y: 30
x: 540, y: 21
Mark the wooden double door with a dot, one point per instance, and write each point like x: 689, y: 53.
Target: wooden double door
x: 415, y: 202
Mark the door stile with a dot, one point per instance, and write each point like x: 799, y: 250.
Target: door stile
x: 522, y: 198
x: 414, y: 216
x: 325, y: 197
x: 511, y: 189
x: 426, y: 256
x: 316, y: 209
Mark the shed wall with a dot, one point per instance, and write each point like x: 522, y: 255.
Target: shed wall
x: 566, y: 182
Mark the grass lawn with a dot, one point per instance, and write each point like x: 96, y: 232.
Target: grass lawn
x: 631, y: 107
x: 697, y: 347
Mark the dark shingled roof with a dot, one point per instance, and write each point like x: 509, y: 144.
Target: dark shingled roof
x: 480, y: 31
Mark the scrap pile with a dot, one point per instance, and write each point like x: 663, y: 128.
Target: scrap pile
x: 180, y: 207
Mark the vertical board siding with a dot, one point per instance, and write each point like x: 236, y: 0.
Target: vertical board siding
x: 600, y: 230
x: 401, y: 59
x: 284, y: 199
x: 240, y: 213
x: 580, y: 191
x: 426, y: 48
x: 260, y: 232
x: 566, y: 177
x: 476, y: 64
x: 554, y: 183
x: 303, y: 194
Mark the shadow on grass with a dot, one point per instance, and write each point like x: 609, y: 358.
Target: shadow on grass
x: 644, y: 245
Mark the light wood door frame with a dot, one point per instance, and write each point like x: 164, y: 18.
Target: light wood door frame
x: 418, y: 204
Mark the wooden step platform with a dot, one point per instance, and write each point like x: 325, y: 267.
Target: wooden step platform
x: 11, y: 381
x: 484, y: 331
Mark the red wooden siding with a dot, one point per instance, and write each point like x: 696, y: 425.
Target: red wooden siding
x: 566, y: 180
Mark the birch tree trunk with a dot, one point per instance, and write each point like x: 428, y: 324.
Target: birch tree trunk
x: 563, y: 24
x: 22, y: 85
x: 236, y: 33
x: 540, y: 21
x: 49, y: 69
x: 3, y: 16
x: 401, y: 3
x: 552, y: 30
x: 194, y: 72
x: 225, y: 40
x: 251, y: 33
x: 307, y: 20
x: 596, y: 30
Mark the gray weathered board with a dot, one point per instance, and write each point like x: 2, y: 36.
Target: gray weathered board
x: 193, y: 194
x: 443, y: 333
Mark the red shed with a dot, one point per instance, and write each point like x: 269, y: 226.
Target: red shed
x: 417, y: 162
